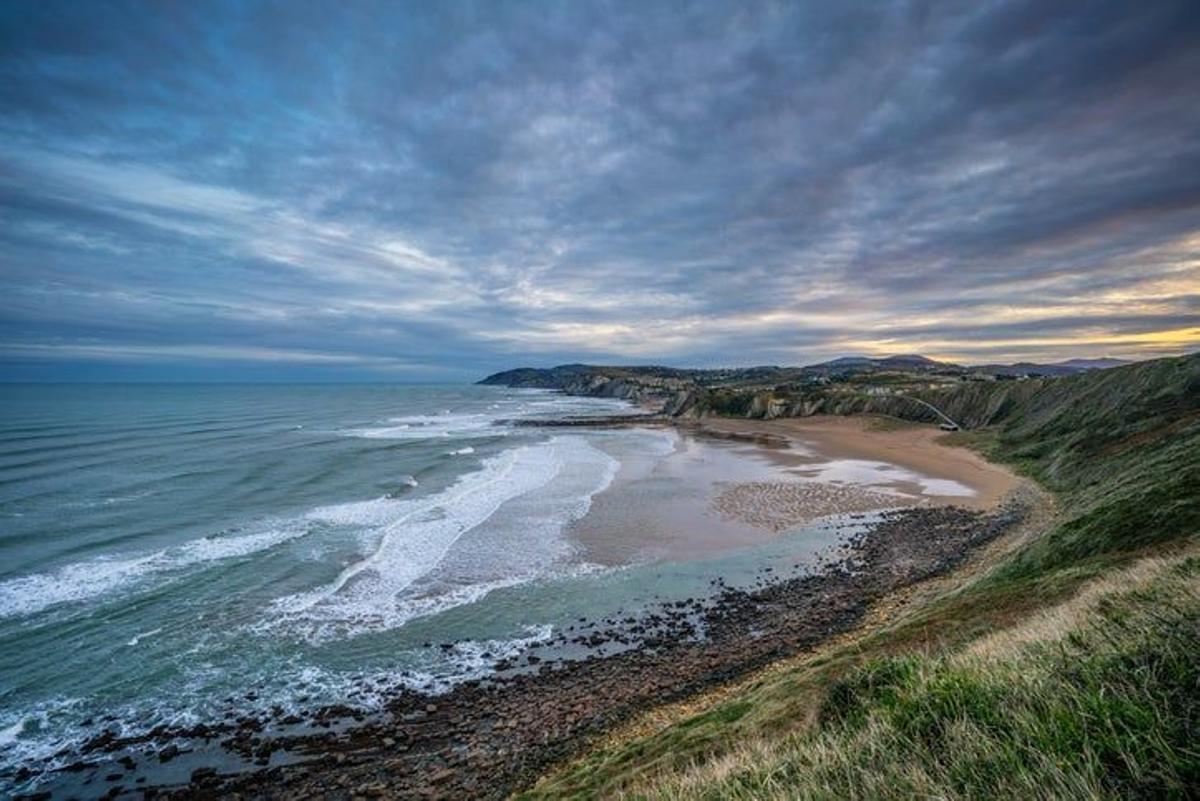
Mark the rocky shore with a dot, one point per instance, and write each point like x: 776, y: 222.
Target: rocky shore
x: 487, y: 738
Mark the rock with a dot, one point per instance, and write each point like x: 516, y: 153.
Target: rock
x: 202, y: 775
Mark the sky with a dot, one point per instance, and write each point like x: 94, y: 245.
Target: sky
x: 435, y: 191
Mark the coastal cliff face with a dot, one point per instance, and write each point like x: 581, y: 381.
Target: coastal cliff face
x: 972, y: 405
x: 971, y: 399
x: 632, y: 384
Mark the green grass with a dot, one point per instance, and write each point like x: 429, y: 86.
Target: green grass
x: 1107, y: 708
x: 728, y: 402
x: 1121, y: 448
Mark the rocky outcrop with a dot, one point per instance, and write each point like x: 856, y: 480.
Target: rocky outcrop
x: 973, y: 405
x: 633, y: 384
x: 679, y: 404
x: 604, y: 387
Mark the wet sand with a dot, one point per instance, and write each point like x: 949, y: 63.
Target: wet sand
x: 777, y: 506
x: 733, y: 483
x: 811, y: 441
x: 661, y: 507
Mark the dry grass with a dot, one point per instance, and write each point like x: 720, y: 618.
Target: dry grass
x: 1091, y: 699
x: 1055, y: 623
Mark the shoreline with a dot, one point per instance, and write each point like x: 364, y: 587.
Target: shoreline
x: 488, y: 737
x: 913, y: 446
x: 737, y: 483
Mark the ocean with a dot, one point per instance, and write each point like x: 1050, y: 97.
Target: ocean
x: 169, y: 553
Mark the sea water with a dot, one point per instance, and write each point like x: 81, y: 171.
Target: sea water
x: 171, y: 552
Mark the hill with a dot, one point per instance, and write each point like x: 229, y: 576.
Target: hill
x: 638, y: 382
x: 1060, y: 664
x: 1068, y: 367
x: 584, y: 379
x: 1092, y: 364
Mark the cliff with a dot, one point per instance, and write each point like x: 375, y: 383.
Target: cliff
x: 889, y: 387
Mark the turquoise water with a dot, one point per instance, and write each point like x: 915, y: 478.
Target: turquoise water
x: 165, y: 549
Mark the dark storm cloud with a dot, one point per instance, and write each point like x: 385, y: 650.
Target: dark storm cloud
x: 437, y: 190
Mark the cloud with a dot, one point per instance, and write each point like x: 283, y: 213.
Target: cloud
x: 215, y: 353
x: 452, y: 189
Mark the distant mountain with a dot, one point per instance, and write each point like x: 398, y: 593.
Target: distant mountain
x: 911, y: 358
x: 1092, y: 364
x: 1068, y: 367
x: 537, y: 377
x: 863, y: 364
x: 844, y: 361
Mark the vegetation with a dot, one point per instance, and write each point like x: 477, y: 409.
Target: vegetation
x: 1066, y: 668
x: 891, y: 369
x: 1121, y: 447
x: 730, y: 403
x: 1099, y: 702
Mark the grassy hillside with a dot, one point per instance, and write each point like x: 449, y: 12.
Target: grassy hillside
x: 1121, y: 448
x: 1097, y: 699
x: 1006, y: 682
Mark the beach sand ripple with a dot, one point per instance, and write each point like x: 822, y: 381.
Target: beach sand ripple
x: 780, y: 505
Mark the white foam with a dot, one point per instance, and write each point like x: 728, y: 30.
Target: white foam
x: 85, y: 580
x: 658, y: 442
x: 113, y: 500
x: 415, y: 536
x: 135, y: 639
x: 29, y: 736
x: 9, y: 735
x: 208, y: 549
x: 426, y: 426
x: 528, y: 404
x: 134, y: 496
x: 461, y: 451
x: 468, y: 661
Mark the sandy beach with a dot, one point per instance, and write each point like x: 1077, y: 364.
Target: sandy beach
x: 734, y: 483
x: 810, y: 441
